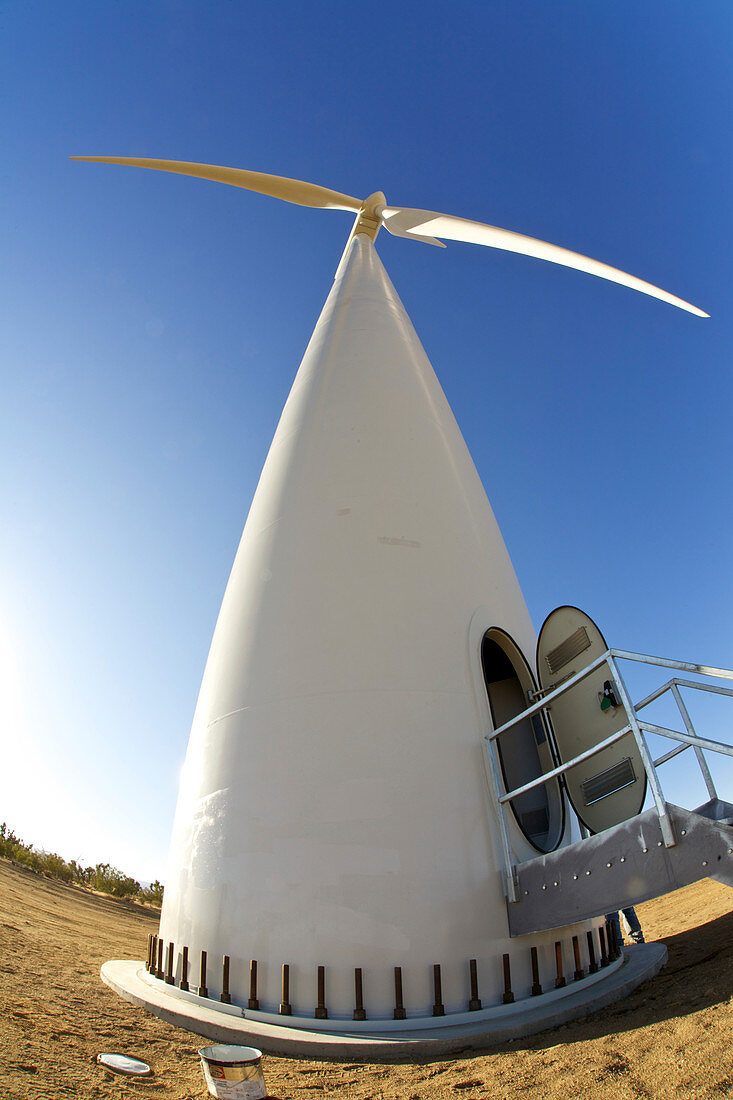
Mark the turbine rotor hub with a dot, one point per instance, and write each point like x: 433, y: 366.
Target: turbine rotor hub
x: 369, y: 218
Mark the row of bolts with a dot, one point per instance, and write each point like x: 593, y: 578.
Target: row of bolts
x: 609, y: 952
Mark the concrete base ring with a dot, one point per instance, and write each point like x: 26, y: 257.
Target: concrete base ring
x: 490, y: 1028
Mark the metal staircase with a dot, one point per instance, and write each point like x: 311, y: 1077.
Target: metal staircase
x: 619, y: 867
x: 648, y: 855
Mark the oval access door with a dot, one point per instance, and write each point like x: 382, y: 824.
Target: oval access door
x: 610, y: 787
x: 524, y: 751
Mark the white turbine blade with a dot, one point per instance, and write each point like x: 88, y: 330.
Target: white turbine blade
x: 427, y: 224
x: 397, y: 226
x: 278, y: 187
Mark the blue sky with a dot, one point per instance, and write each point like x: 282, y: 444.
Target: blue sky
x: 152, y: 326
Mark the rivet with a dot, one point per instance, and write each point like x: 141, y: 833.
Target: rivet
x: 659, y: 844
x: 645, y: 850
x: 704, y: 863
x: 556, y: 883
x: 587, y: 872
x: 609, y: 865
x: 623, y: 859
x: 684, y: 832
x: 575, y: 877
x: 543, y: 886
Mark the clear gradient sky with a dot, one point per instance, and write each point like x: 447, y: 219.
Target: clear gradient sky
x: 152, y: 326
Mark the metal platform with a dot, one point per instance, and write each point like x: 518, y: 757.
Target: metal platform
x: 641, y: 857
x: 619, y: 867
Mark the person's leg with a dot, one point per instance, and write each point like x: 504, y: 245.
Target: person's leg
x: 634, y: 926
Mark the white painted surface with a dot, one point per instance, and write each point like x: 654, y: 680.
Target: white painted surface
x: 333, y: 808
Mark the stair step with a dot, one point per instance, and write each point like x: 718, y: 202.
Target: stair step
x: 717, y: 810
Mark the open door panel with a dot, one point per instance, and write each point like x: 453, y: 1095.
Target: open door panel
x: 610, y: 787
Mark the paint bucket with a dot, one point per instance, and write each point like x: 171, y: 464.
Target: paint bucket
x: 233, y: 1072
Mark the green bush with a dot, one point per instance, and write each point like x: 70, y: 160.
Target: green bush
x: 9, y: 842
x: 153, y: 894
x: 108, y: 880
x: 104, y: 878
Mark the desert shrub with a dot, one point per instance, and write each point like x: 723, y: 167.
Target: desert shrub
x: 9, y: 842
x: 78, y: 873
x: 153, y: 894
x: 53, y: 864
x: 109, y: 880
x: 102, y: 877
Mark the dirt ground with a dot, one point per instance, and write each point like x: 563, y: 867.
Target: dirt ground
x: 670, y: 1039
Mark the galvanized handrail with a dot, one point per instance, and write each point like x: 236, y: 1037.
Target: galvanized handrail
x: 674, y: 686
x: 689, y: 739
x: 668, y: 662
x: 634, y: 726
x: 546, y: 776
x: 676, y: 682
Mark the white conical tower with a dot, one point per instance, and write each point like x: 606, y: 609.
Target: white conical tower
x: 333, y: 808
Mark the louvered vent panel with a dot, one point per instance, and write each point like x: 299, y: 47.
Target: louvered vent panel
x: 571, y: 647
x: 608, y: 782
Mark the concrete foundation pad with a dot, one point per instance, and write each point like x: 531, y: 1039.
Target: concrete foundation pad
x: 473, y: 1031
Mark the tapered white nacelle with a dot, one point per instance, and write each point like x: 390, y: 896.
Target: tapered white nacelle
x: 333, y: 807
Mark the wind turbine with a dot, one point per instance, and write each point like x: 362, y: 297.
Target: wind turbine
x: 401, y: 221
x: 335, y: 842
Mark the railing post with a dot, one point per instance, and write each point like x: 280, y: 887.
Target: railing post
x: 665, y: 822
x: 698, y: 751
x: 496, y: 786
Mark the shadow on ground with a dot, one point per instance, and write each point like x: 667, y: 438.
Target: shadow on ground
x: 700, y: 967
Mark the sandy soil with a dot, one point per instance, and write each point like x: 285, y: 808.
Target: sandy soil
x: 670, y: 1039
